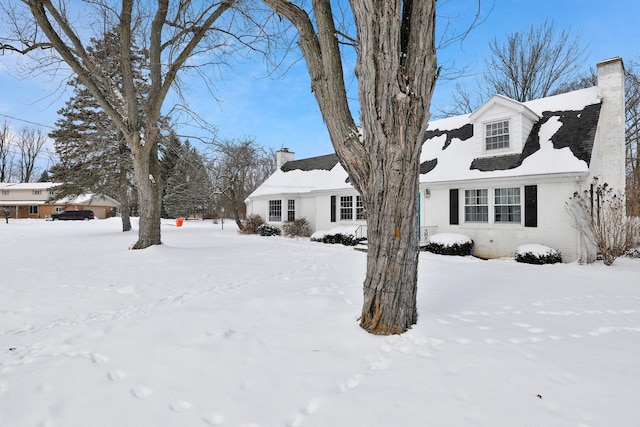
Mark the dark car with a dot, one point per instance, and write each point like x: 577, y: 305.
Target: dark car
x: 72, y: 215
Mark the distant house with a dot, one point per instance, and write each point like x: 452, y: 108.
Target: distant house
x: 31, y: 200
x: 500, y: 175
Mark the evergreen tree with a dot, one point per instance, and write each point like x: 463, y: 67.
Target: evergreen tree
x: 188, y: 188
x: 94, y: 156
x: 170, y: 151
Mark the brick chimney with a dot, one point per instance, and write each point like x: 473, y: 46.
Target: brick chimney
x: 608, y: 163
x: 283, y: 156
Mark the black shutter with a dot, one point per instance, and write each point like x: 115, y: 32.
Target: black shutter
x: 333, y: 208
x: 531, y: 206
x: 454, y: 211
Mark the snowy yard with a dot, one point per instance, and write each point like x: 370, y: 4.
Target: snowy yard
x: 215, y: 328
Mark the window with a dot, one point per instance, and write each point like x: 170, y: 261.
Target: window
x: 476, y: 207
x: 33, y: 210
x: 359, y: 208
x: 36, y: 192
x: 497, y: 135
x: 346, y: 207
x: 507, y: 205
x: 291, y: 210
x: 275, y: 210
x: 5, y: 192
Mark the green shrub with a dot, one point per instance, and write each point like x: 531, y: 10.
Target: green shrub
x: 460, y: 249
x: 537, y: 254
x: 298, y: 227
x: 269, y: 230
x: 339, y: 238
x: 450, y: 244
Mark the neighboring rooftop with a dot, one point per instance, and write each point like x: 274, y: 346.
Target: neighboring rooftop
x: 326, y: 162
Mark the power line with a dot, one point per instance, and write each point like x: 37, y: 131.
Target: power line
x: 26, y: 121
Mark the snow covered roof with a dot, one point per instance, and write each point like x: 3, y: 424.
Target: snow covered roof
x: 87, y: 200
x: 560, y: 141
x: 27, y: 185
x: 305, y: 176
x: 326, y: 162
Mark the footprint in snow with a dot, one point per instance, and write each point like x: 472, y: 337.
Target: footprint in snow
x: 180, y: 406
x: 214, y: 419
x: 141, y: 392
x: 312, y: 406
x: 98, y: 359
x: 116, y: 375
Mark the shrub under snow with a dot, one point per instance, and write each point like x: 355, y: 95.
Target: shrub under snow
x: 633, y: 253
x: 450, y: 244
x: 537, y: 254
x: 340, y: 235
x: 269, y: 230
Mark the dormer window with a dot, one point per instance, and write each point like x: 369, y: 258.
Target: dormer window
x: 496, y: 135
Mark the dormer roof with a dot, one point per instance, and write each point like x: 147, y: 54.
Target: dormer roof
x: 506, y: 102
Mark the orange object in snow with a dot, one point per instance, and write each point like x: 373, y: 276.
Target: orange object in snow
x: 179, y: 222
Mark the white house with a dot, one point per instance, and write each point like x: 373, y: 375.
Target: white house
x: 501, y: 175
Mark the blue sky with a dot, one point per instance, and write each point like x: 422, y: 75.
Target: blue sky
x: 283, y: 112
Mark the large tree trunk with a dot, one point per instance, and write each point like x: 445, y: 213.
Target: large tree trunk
x: 396, y: 72
x: 390, y: 284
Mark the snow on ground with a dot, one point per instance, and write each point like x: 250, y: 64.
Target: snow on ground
x: 216, y: 328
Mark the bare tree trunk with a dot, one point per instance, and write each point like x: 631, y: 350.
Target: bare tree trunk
x: 390, y: 284
x: 149, y: 184
x: 125, y: 211
x: 396, y: 72
x: 184, y: 38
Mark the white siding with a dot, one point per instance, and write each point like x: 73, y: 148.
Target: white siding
x: 496, y: 240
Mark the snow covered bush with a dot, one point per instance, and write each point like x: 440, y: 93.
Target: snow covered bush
x: 298, y: 227
x: 537, y: 254
x: 338, y: 235
x: 450, y: 244
x: 269, y: 230
x: 633, y: 253
x: 251, y: 224
x: 344, y: 239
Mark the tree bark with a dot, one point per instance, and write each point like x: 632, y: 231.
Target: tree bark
x: 149, y: 184
x: 121, y: 102
x: 396, y: 71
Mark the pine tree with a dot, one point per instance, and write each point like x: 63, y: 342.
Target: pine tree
x: 84, y: 137
x: 170, y: 151
x: 188, y: 188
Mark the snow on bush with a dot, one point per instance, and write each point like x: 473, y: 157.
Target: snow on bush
x: 450, y: 244
x: 633, y: 253
x: 345, y: 235
x: 537, y: 254
x: 269, y: 230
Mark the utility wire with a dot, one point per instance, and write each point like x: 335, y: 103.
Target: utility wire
x: 26, y: 121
